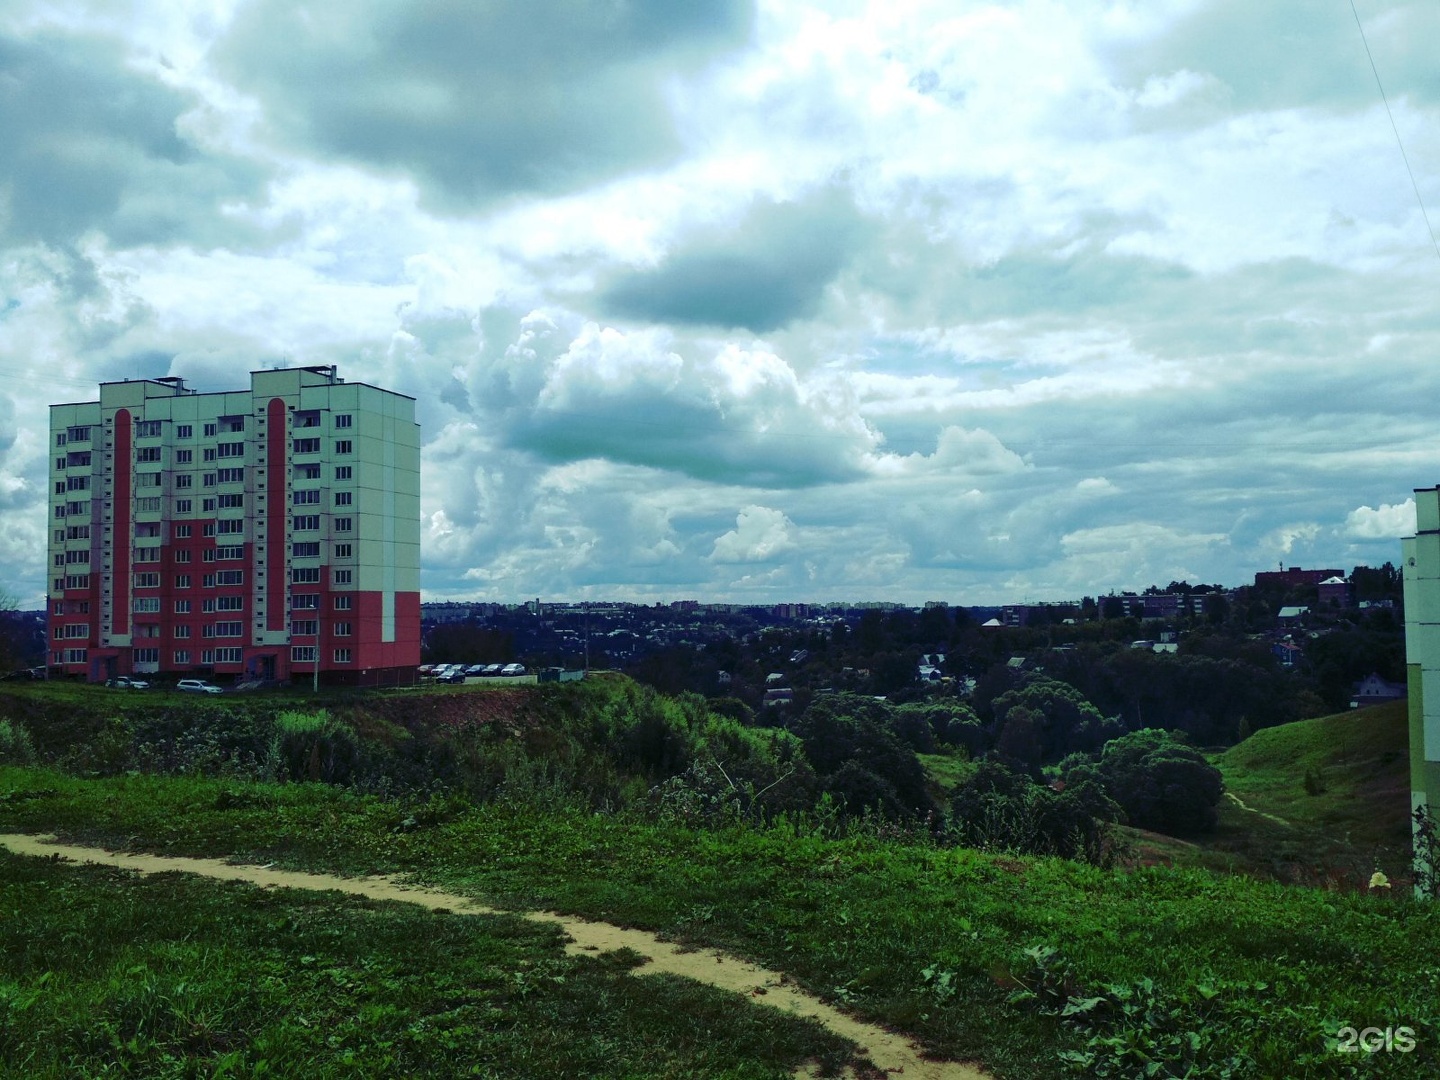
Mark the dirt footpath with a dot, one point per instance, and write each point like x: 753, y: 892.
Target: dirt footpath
x: 890, y: 1052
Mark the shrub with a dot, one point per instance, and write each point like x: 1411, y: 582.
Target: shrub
x: 16, y: 746
x: 313, y: 746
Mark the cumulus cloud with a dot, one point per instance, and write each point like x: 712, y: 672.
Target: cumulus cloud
x: 761, y: 534
x: 92, y: 143
x: 477, y: 101
x: 1386, y: 522
x: 759, y: 274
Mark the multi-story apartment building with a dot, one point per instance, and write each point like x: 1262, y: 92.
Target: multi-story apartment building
x: 1421, y: 579
x: 271, y: 532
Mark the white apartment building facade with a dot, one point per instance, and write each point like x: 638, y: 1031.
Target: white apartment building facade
x: 271, y: 532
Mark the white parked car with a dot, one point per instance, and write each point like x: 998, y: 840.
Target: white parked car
x: 197, y: 686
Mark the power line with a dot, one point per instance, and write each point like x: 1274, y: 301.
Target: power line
x: 1398, y: 141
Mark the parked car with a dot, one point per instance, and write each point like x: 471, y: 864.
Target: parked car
x: 454, y: 675
x: 197, y: 686
x: 125, y: 682
x: 513, y: 669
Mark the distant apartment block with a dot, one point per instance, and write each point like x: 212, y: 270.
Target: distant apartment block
x: 271, y: 532
x: 1421, y: 571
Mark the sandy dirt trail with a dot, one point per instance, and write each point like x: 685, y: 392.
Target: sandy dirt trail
x: 890, y: 1052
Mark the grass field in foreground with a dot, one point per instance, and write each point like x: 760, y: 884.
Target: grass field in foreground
x: 106, y: 972
x: 1222, y: 975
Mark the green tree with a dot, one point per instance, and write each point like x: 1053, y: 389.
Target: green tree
x: 1159, y: 781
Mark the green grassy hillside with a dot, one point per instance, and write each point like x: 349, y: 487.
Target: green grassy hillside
x: 1321, y: 802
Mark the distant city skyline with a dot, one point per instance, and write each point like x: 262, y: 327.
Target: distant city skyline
x: 756, y: 301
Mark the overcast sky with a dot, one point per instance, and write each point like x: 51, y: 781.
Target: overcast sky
x: 761, y: 301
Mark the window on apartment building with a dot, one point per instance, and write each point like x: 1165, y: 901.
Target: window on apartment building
x: 230, y: 476
x: 146, y: 656
x: 59, y: 559
x: 182, y: 607
x: 306, y: 446
x: 344, y: 420
x: 305, y: 575
x: 145, y: 630
x: 230, y: 629
x: 301, y: 601
x: 184, y: 457
x: 231, y: 424
x: 146, y: 605
x: 231, y: 449
x: 59, y: 536
x: 147, y: 479
x: 148, y: 506
x: 184, y: 480
x: 77, y: 581
x: 305, y: 522
x: 59, y: 463
x: 342, y: 656
x: 231, y: 526
x: 227, y: 656
x: 207, y: 581
x: 342, y: 577
x: 342, y: 551
x: 230, y: 551
x: 344, y: 524
x: 75, y: 461
x: 59, y: 510
x: 232, y: 502
x: 303, y: 654
x: 343, y: 446
x: 230, y: 603
x: 57, y: 584
x: 207, y: 605
x: 182, y: 556
x: 342, y: 629
x: 344, y: 472
x: 60, y: 487
x: 182, y: 581
x: 60, y: 439
x: 184, y: 431
x: 77, y: 557
x: 147, y: 554
x: 147, y: 453
x: 207, y: 506
x: 80, y: 509
x: 307, y: 419
x: 147, y: 429
x: 231, y: 577
x: 76, y: 656
x: 309, y: 497
x: 79, y: 433
x: 182, y: 506
x: 182, y: 532
x: 308, y: 550
x: 76, y: 483
x: 208, y: 454
x: 181, y: 631
x: 208, y: 480
x: 182, y: 656
x: 304, y: 627
x: 307, y: 472
x: 344, y: 498
x: 59, y: 608
x: 208, y: 529
x: 77, y: 532
x: 209, y: 430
